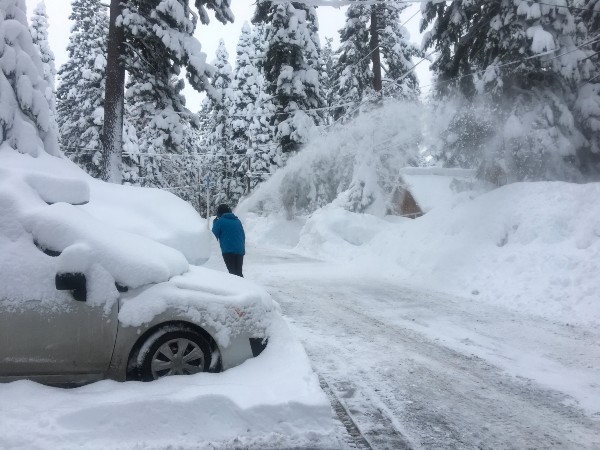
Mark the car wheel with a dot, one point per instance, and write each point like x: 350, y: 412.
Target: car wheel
x: 174, y: 351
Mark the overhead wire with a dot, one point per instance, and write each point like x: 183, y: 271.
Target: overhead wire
x: 369, y: 99
x: 341, y: 3
x: 539, y: 55
x: 393, y: 83
x: 379, y: 94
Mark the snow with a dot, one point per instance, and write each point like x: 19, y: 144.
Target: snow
x: 137, y: 236
x: 226, y: 304
x: 541, y: 40
x: 531, y: 247
x: 275, y: 395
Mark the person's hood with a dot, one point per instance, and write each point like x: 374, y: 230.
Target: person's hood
x: 228, y: 216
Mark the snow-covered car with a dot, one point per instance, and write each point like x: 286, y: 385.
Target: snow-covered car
x: 96, y: 282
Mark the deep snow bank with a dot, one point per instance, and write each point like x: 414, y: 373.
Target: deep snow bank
x: 533, y: 247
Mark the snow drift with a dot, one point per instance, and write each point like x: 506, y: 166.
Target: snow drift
x: 533, y: 247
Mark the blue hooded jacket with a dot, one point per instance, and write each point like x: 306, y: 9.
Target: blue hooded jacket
x: 230, y: 233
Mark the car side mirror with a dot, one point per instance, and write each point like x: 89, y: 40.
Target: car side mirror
x: 74, y: 282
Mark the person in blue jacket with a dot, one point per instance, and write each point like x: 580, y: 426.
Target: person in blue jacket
x: 229, y: 231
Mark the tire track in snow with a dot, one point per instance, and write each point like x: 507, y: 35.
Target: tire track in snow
x: 358, y: 441
x: 444, y: 398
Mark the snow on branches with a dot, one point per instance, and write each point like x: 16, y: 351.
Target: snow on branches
x: 25, y: 120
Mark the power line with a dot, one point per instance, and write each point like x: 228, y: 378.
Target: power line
x: 410, y: 18
x: 379, y: 94
x: 539, y: 55
x: 341, y: 3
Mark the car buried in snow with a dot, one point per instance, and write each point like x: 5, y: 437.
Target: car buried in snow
x: 183, y: 326
x: 199, y: 321
x: 84, y: 297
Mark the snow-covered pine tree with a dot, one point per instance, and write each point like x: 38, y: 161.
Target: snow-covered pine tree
x: 263, y: 152
x: 365, y: 25
x: 25, y: 120
x: 589, y: 12
x: 155, y: 37
x: 588, y: 96
x: 80, y: 94
x: 246, y: 87
x: 533, y: 93
x: 328, y: 75
x: 39, y: 33
x: 353, y: 76
x: 291, y: 69
x: 159, y: 127
x: 397, y: 52
x: 218, y: 142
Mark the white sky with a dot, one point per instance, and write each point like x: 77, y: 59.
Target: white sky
x: 330, y: 21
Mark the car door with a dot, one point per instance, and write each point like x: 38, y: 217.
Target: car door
x: 58, y: 340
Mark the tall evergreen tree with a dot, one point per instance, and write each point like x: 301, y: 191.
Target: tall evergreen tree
x: 218, y: 141
x: 245, y: 90
x: 246, y: 87
x: 533, y: 96
x: 291, y: 69
x: 374, y: 32
x: 397, y: 51
x: 39, y: 33
x: 153, y: 37
x: 588, y: 95
x: 25, y: 119
x: 263, y: 153
x: 328, y: 74
x: 353, y: 75
x: 80, y: 94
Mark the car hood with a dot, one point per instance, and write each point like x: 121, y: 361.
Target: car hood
x: 202, y: 295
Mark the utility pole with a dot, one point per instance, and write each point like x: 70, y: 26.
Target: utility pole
x: 374, y: 44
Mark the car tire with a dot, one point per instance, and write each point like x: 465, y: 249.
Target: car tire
x: 174, y: 351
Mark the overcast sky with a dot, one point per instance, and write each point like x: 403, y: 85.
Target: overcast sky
x: 330, y: 21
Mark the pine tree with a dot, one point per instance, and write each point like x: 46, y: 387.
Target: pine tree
x: 218, y: 141
x: 246, y: 87
x: 39, y: 33
x: 263, y: 153
x: 397, y: 52
x: 25, y: 122
x: 80, y: 94
x: 353, y: 77
x: 328, y: 75
x: 155, y: 40
x: 587, y: 108
x: 374, y: 31
x: 245, y: 90
x: 477, y: 44
x: 291, y: 69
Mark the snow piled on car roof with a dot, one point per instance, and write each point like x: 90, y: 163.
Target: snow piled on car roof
x: 54, y: 218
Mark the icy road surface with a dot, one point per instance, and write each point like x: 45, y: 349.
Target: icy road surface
x: 406, y: 368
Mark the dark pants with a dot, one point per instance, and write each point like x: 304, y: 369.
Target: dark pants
x: 234, y: 263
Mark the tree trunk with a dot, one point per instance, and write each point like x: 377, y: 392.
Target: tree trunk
x: 375, y: 56
x: 112, y: 136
